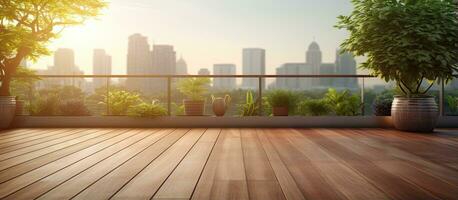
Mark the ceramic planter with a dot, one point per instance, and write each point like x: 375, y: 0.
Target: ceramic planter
x: 7, y: 110
x: 419, y: 114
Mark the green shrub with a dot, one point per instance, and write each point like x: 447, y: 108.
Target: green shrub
x: 152, y: 109
x: 343, y: 103
x: 45, y: 106
x: 73, y: 108
x: 382, y: 103
x: 452, y: 103
x: 194, y: 88
x: 119, y: 101
x: 313, y: 107
x: 282, y: 98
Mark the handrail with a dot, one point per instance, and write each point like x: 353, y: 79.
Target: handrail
x: 206, y: 76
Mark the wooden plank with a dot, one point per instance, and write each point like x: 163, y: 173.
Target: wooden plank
x: 183, y: 180
x: 78, y: 150
x: 144, y: 181
x: 344, y: 179
x: 309, y: 179
x: 392, y: 185
x: 289, y: 187
x: 82, y: 180
x: 261, y: 179
x: 71, y: 135
x: 224, y: 175
x: 70, y: 167
x: 57, y: 136
x: 16, y: 132
x: 30, y: 136
x: 35, y: 154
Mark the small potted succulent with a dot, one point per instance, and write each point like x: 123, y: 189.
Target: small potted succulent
x: 282, y: 102
x: 411, y: 42
x: 194, y: 89
x: 220, y: 104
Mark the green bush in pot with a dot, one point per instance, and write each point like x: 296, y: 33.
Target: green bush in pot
x: 282, y: 102
x: 410, y: 42
x: 195, y: 90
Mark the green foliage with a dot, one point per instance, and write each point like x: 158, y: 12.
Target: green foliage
x: 282, y: 98
x: 45, y: 106
x: 73, y: 108
x: 404, y: 40
x: 382, y: 103
x: 313, y: 107
x: 452, y: 103
x: 250, y: 107
x: 119, y: 101
x: 23, y: 83
x: 153, y: 109
x: 27, y: 27
x: 343, y: 103
x: 194, y: 88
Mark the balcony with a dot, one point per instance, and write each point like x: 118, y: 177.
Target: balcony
x: 215, y: 163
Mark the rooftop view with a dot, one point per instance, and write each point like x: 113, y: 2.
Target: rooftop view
x: 230, y: 99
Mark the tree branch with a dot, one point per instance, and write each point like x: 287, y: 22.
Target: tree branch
x: 406, y: 86
x: 419, y: 84
x: 402, y: 89
x: 427, y: 89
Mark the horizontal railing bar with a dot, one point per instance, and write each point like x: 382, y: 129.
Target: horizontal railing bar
x: 206, y: 76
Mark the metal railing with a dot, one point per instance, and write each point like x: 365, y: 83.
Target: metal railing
x: 260, y: 78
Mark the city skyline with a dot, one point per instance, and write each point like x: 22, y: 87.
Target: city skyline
x: 283, y: 36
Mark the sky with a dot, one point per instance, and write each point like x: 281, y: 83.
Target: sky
x: 206, y: 32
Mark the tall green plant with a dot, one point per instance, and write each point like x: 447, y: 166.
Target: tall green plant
x: 282, y: 98
x: 250, y: 107
x: 119, y: 101
x: 343, y: 103
x: 452, y: 103
x: 407, y: 41
x: 194, y: 88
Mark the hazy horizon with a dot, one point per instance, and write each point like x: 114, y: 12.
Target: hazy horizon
x: 208, y: 32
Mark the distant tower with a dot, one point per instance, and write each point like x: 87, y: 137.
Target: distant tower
x: 138, y: 62
x: 254, y: 63
x: 203, y: 71
x: 346, y: 64
x: 163, y: 63
x: 224, y: 83
x: 181, y: 67
x: 64, y: 64
x: 101, y: 65
x: 314, y: 60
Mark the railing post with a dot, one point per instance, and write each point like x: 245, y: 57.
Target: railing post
x: 108, y: 96
x: 260, y: 95
x: 363, y: 105
x: 441, y: 98
x: 169, y: 95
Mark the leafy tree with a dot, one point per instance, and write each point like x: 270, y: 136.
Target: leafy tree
x: 23, y: 83
x: 27, y: 26
x: 405, y: 40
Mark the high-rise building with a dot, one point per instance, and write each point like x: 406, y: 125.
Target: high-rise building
x: 254, y: 63
x: 101, y: 65
x: 293, y: 83
x: 327, y: 69
x: 203, y: 72
x: 314, y: 60
x: 64, y: 64
x: 346, y: 64
x: 224, y: 83
x: 181, y: 67
x: 163, y: 63
x: 138, y: 63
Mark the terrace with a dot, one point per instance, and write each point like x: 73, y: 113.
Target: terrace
x: 229, y: 157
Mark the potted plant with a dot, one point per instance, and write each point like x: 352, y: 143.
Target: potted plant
x: 194, y: 89
x: 282, y: 102
x: 220, y: 104
x: 25, y: 30
x: 406, y: 41
x: 250, y: 107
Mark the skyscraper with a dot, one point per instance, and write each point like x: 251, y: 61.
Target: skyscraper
x: 138, y: 62
x: 293, y: 83
x: 181, y: 67
x: 314, y: 59
x: 346, y: 64
x: 64, y: 64
x: 224, y: 83
x: 101, y: 65
x: 163, y: 63
x: 254, y: 63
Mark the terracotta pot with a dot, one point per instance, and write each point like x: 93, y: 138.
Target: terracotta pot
x: 7, y: 110
x: 20, y: 107
x: 194, y: 108
x: 419, y: 114
x: 220, y: 105
x: 280, y: 111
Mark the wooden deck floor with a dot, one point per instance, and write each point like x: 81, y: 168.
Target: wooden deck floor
x: 227, y: 164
